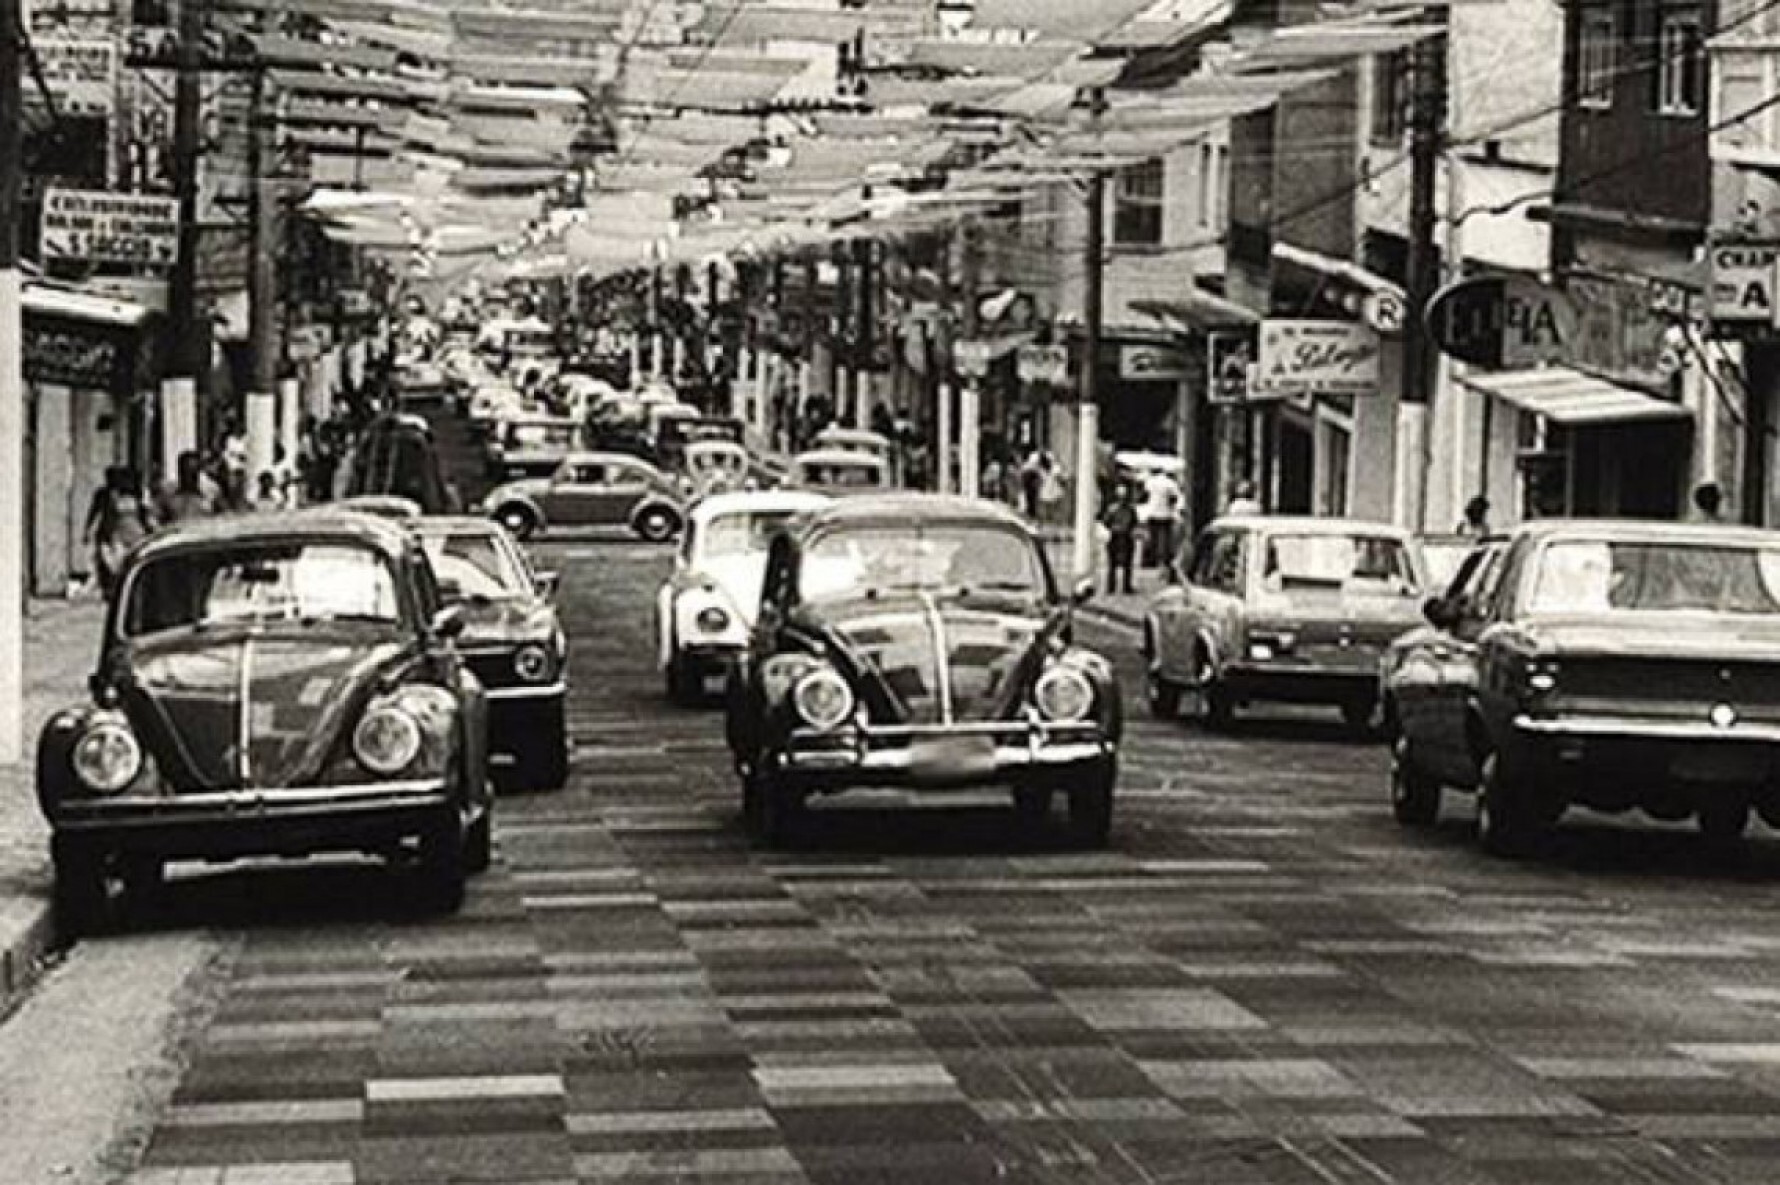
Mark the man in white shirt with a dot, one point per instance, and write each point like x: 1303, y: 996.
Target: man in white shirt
x: 1160, y: 511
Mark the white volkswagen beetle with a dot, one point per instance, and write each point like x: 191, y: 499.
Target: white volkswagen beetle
x: 705, y: 610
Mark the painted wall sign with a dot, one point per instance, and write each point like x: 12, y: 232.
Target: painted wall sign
x: 98, y: 227
x: 1300, y: 357
x: 1743, y: 282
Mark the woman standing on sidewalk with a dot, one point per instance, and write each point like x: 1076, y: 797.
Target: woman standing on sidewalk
x: 117, y: 519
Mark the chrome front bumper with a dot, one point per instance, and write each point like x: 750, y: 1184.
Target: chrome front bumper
x: 526, y: 692
x: 940, y: 755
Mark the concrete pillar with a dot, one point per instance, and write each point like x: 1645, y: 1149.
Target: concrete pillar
x: 318, y: 399
x: 56, y: 526
x: 262, y: 435
x: 179, y: 423
x: 1086, y: 494
x: 290, y: 421
x: 942, y: 461
x: 970, y: 439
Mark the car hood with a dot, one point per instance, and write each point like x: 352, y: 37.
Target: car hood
x: 192, y: 696
x: 1706, y: 637
x: 923, y: 659
x: 739, y: 578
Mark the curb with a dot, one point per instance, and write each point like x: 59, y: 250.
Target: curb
x: 27, y: 936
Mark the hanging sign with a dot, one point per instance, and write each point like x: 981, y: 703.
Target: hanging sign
x: 1505, y: 322
x: 94, y: 226
x: 1151, y: 363
x: 1743, y: 281
x: 1229, y: 357
x: 81, y: 76
x: 1301, y: 357
x: 1043, y: 364
x: 972, y: 358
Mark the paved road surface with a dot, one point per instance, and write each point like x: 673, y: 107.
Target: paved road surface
x: 1263, y: 979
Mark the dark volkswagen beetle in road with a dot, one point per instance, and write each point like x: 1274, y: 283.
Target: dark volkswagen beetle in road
x: 269, y: 685
x: 919, y: 641
x: 1612, y: 665
x: 513, y: 640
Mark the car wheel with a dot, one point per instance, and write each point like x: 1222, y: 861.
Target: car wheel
x: 1506, y: 826
x: 685, y: 685
x: 444, y: 864
x: 1091, y: 804
x: 1032, y: 807
x: 521, y: 521
x: 657, y: 525
x: 1217, y: 709
x: 80, y: 891
x: 777, y: 813
x: 1723, y: 820
x: 1164, y: 697
x: 543, y: 760
x: 1415, y: 797
x: 479, y: 843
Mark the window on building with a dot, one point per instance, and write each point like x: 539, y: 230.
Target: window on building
x: 1680, y: 65
x: 1137, y: 206
x: 1596, y: 57
x: 1214, y: 178
x: 1390, y: 97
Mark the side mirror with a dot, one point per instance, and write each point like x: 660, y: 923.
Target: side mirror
x: 448, y: 623
x: 1441, y: 613
x: 547, y: 583
x: 1083, y: 592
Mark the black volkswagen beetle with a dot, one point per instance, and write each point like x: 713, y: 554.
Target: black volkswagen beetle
x: 513, y: 640
x: 269, y: 685
x: 919, y: 641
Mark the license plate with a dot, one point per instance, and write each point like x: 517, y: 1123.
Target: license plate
x: 1720, y: 765
x: 943, y: 760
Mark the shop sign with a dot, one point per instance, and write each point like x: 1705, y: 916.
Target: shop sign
x: 1622, y: 330
x: 1385, y: 311
x: 972, y: 358
x: 1743, y: 282
x: 1506, y: 322
x: 73, y: 353
x: 93, y: 226
x: 1144, y: 363
x: 81, y: 76
x: 1306, y: 358
x: 1043, y: 364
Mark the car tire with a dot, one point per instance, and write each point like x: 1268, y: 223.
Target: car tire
x: 542, y: 762
x: 657, y: 525
x: 1217, y: 710
x: 443, y: 867
x: 1091, y: 804
x: 479, y: 842
x: 1506, y: 824
x: 1723, y: 821
x: 521, y: 521
x: 1164, y: 697
x: 685, y: 686
x: 1415, y: 797
x: 775, y: 815
x: 80, y: 896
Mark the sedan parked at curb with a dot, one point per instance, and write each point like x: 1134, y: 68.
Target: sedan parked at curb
x: 513, y: 641
x: 920, y: 641
x: 592, y: 490
x: 270, y: 685
x: 1297, y: 610
x: 1609, y: 665
x: 708, y: 606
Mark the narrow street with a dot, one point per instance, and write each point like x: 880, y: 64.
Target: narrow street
x: 1263, y: 979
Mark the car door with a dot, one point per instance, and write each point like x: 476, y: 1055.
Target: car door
x: 1211, y: 598
x: 627, y: 483
x: 1169, y: 610
x: 1453, y: 656
x: 573, y: 498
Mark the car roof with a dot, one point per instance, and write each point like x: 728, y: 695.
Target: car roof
x: 383, y: 534
x: 915, y: 507
x: 833, y: 432
x: 605, y: 458
x: 1632, y: 530
x: 758, y: 501
x: 836, y: 456
x: 454, y: 524
x: 1305, y: 524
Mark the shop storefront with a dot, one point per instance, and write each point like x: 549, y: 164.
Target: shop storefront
x: 87, y: 366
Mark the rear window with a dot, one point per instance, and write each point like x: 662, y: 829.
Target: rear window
x: 1338, y: 562
x: 1590, y: 576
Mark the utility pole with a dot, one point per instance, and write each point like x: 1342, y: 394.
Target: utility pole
x: 865, y: 337
x: 840, y: 359
x: 262, y: 418
x: 1087, y: 420
x: 970, y: 394
x: 179, y: 409
x: 12, y: 387
x: 1427, y: 116
x: 947, y: 370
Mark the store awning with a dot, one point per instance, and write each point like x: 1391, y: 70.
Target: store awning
x: 1572, y: 397
x: 1195, y: 309
x: 47, y: 300
x: 1337, y: 269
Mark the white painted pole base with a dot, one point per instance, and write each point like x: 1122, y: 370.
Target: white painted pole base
x: 970, y: 440
x: 262, y: 435
x: 290, y: 422
x: 942, y: 464
x: 12, y: 519
x: 1410, y: 489
x: 1087, y: 439
x: 179, y: 424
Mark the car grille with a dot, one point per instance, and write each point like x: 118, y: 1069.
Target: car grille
x: 493, y: 667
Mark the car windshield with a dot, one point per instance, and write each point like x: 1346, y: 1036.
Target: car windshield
x: 1578, y: 576
x: 474, y: 567
x: 694, y: 430
x: 275, y: 581
x: 541, y: 435
x: 841, y: 473
x: 747, y: 533
x: 725, y: 460
x: 948, y: 559
x: 1363, y: 563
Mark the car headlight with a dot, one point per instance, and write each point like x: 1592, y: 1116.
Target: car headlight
x: 712, y: 619
x: 1064, y: 695
x: 1268, y: 644
x: 532, y: 663
x: 386, y: 741
x: 823, y: 699
x: 107, y: 758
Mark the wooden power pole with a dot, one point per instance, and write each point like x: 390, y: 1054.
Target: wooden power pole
x: 1087, y: 420
x: 1427, y: 118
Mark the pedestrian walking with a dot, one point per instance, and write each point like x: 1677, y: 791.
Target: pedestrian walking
x: 187, y: 499
x: 1161, y: 509
x: 1032, y: 479
x: 1708, y: 502
x: 1243, y: 499
x: 267, y: 494
x: 1476, y: 520
x: 1051, y: 490
x: 117, y: 519
x: 1120, y: 521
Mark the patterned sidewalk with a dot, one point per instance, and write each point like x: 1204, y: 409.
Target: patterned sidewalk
x: 61, y: 640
